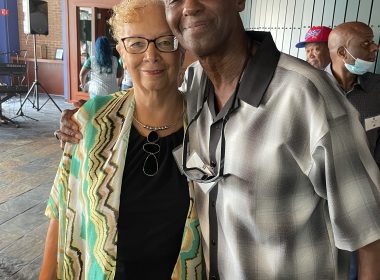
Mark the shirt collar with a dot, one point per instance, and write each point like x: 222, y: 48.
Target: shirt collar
x: 328, y: 69
x: 256, y: 78
x: 260, y: 68
x: 358, y: 83
x: 364, y: 81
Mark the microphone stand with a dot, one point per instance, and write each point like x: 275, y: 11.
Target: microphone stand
x: 34, y: 87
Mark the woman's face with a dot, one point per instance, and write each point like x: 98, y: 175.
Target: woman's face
x: 152, y: 70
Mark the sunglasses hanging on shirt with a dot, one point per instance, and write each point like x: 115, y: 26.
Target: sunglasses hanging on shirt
x: 209, y: 173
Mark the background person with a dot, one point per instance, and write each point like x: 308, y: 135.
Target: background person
x: 353, y: 54
x: 104, y: 69
x: 315, y: 44
x: 119, y: 207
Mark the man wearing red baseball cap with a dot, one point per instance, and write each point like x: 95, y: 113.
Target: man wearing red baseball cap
x: 315, y: 44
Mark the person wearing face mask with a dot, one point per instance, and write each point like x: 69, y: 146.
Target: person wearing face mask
x: 353, y: 54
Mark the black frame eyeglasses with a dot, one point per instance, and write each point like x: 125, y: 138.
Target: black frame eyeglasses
x: 199, y: 174
x: 137, y: 45
x: 206, y: 174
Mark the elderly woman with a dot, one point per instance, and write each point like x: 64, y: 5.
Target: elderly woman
x: 104, y: 68
x: 119, y: 207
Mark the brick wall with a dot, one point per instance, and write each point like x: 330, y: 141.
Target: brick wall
x: 53, y: 40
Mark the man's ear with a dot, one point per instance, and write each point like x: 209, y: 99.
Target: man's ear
x: 240, y: 5
x: 341, y: 52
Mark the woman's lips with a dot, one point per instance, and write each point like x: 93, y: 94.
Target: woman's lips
x: 153, y: 72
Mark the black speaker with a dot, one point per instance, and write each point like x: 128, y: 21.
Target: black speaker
x: 35, y: 17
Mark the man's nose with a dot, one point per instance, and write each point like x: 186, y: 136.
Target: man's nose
x: 191, y: 7
x: 374, y: 47
x: 310, y: 54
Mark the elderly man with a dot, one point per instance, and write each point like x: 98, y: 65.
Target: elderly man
x: 315, y: 44
x: 353, y: 54
x: 282, y: 172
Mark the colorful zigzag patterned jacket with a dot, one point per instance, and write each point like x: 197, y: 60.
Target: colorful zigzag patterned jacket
x: 85, y: 196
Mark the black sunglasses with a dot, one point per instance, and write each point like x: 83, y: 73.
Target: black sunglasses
x: 199, y: 174
x: 195, y: 173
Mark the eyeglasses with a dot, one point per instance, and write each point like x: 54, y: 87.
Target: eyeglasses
x: 135, y: 45
x: 199, y: 174
x: 206, y: 174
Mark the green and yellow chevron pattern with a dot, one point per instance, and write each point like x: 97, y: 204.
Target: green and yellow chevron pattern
x: 85, y: 196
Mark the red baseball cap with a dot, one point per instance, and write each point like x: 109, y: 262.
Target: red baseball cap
x: 314, y: 35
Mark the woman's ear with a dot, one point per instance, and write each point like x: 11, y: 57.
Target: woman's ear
x: 118, y: 48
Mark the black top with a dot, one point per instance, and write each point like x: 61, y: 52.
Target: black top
x: 365, y: 97
x: 153, y: 212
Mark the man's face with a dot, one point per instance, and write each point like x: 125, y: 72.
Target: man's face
x: 317, y: 55
x: 361, y: 45
x: 203, y: 26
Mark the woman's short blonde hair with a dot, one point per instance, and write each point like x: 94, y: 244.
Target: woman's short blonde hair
x: 127, y: 11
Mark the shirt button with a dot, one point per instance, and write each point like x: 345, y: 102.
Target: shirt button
x: 213, y: 163
x: 213, y: 242
x: 214, y: 277
x: 213, y: 203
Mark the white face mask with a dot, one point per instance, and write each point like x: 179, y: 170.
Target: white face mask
x: 360, y: 67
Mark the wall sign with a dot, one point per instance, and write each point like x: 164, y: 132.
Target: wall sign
x: 4, y: 12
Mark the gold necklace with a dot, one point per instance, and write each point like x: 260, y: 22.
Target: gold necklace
x: 158, y: 128
x: 152, y: 128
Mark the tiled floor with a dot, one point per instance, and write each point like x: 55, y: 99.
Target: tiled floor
x: 29, y: 157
